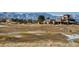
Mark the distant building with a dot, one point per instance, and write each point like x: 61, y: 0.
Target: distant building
x: 49, y: 21
x: 65, y: 19
x: 9, y: 21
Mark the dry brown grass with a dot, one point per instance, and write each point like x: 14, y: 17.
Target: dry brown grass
x: 52, y: 37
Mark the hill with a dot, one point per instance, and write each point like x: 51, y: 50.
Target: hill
x: 25, y: 15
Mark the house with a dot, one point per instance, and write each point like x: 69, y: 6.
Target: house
x: 9, y: 21
x: 46, y: 22
x: 50, y: 21
x: 67, y: 19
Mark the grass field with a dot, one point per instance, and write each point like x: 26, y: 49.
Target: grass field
x: 37, y: 35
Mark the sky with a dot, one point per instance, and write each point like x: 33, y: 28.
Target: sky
x: 52, y: 13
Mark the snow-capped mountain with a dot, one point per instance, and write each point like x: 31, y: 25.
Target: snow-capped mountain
x: 25, y: 15
x: 34, y: 15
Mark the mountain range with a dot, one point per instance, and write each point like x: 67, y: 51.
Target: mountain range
x: 34, y: 15
x: 26, y: 15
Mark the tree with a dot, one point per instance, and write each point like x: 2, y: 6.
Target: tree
x: 41, y: 18
x: 24, y: 21
x: 19, y: 20
x: 34, y: 21
x: 29, y: 20
x: 48, y: 17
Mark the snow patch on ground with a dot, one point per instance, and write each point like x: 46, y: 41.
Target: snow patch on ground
x: 72, y: 36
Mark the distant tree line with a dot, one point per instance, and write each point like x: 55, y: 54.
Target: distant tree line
x: 65, y: 19
x: 40, y: 19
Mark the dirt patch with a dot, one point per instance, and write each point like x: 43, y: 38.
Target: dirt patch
x: 59, y: 38
x: 3, y: 26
